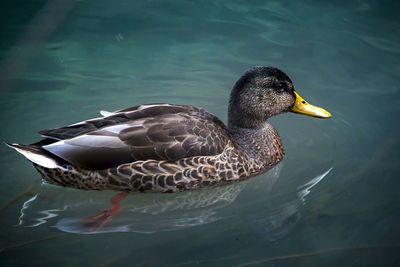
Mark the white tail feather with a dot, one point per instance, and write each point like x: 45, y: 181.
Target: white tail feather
x: 36, y: 157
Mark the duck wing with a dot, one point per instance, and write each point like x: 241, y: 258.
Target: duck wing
x: 154, y: 131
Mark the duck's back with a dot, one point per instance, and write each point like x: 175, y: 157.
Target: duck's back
x: 154, y: 131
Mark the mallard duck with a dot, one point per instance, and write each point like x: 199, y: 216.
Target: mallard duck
x: 169, y: 148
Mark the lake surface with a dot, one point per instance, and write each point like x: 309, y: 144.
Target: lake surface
x: 333, y: 200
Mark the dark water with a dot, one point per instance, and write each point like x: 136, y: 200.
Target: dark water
x: 332, y: 201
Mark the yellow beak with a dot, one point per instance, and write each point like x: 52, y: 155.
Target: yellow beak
x: 301, y: 106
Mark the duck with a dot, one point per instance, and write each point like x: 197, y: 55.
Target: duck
x: 163, y: 147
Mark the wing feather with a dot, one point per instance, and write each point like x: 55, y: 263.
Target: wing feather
x: 155, y: 131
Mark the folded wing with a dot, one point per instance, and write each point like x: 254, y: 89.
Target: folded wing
x: 156, y: 131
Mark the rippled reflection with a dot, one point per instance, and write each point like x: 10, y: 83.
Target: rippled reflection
x: 150, y: 213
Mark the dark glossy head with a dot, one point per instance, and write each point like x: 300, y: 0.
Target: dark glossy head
x: 259, y: 94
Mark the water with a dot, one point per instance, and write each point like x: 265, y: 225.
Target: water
x: 333, y: 200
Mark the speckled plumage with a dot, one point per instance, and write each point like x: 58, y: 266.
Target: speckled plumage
x: 170, y: 175
x: 169, y: 148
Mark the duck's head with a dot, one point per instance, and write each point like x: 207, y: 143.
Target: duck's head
x: 263, y: 92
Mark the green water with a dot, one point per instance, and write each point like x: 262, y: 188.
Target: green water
x: 332, y: 201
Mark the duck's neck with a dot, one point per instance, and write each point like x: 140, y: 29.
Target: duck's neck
x: 262, y: 144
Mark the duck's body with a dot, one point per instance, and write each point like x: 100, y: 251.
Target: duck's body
x: 156, y: 147
x: 168, y: 148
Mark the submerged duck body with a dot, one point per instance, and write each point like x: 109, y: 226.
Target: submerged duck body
x: 169, y: 148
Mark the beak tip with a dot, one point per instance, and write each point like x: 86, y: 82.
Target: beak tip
x: 323, y: 114
x: 327, y: 115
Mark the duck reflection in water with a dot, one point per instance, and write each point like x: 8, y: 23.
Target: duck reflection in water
x: 169, y: 211
x: 151, y: 213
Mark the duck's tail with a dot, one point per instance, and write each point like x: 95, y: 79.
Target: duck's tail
x: 37, y: 155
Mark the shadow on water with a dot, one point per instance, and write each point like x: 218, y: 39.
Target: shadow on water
x: 153, y: 213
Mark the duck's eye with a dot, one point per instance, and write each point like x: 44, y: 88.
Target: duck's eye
x: 280, y: 87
